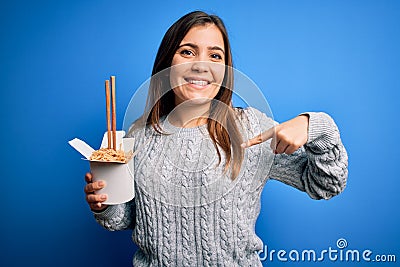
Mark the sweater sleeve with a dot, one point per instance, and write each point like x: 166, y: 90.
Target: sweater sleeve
x: 117, y: 217
x: 319, y: 168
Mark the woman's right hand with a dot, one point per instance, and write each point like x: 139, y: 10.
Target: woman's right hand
x: 95, y: 201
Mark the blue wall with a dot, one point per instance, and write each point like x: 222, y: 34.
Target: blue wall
x: 341, y: 57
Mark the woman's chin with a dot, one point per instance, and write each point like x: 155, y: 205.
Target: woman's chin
x: 199, y: 100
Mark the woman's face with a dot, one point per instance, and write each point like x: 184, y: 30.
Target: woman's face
x: 198, y: 68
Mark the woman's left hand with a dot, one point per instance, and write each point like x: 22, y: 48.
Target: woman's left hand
x: 286, y: 137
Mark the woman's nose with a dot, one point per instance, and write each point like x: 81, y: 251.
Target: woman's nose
x: 200, y: 66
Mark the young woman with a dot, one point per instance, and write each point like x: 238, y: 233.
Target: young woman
x: 197, y: 180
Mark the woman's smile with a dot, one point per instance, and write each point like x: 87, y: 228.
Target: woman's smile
x: 197, y: 82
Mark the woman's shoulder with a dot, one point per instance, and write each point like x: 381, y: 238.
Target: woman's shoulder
x: 140, y: 127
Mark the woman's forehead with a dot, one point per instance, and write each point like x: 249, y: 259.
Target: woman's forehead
x: 208, y: 35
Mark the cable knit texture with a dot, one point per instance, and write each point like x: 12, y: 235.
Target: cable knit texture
x: 188, y: 212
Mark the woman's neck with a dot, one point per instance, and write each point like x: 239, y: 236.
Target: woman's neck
x: 190, y: 114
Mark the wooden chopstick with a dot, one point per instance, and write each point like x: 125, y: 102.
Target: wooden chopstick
x: 113, y: 118
x: 108, y: 113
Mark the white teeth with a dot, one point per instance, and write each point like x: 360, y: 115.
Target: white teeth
x: 201, y: 83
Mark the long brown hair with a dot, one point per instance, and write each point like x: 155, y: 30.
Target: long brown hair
x: 221, y: 122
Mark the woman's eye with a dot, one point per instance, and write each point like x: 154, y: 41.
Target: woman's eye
x: 216, y: 56
x: 186, y: 52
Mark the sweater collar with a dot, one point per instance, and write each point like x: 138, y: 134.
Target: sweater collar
x: 169, y: 128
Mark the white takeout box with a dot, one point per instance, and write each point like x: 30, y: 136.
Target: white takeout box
x: 118, y: 176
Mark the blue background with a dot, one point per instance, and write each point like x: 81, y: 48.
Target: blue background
x: 341, y: 57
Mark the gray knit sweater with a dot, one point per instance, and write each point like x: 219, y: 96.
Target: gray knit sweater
x: 188, y: 212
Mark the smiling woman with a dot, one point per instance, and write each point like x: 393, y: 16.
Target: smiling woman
x: 196, y: 206
x: 194, y: 60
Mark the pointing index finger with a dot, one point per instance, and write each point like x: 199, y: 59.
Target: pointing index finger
x: 268, y: 134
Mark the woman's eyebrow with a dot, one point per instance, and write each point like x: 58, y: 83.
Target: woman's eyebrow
x: 190, y: 45
x: 194, y: 46
x: 216, y: 48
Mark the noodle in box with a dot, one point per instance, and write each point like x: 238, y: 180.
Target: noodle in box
x: 113, y: 162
